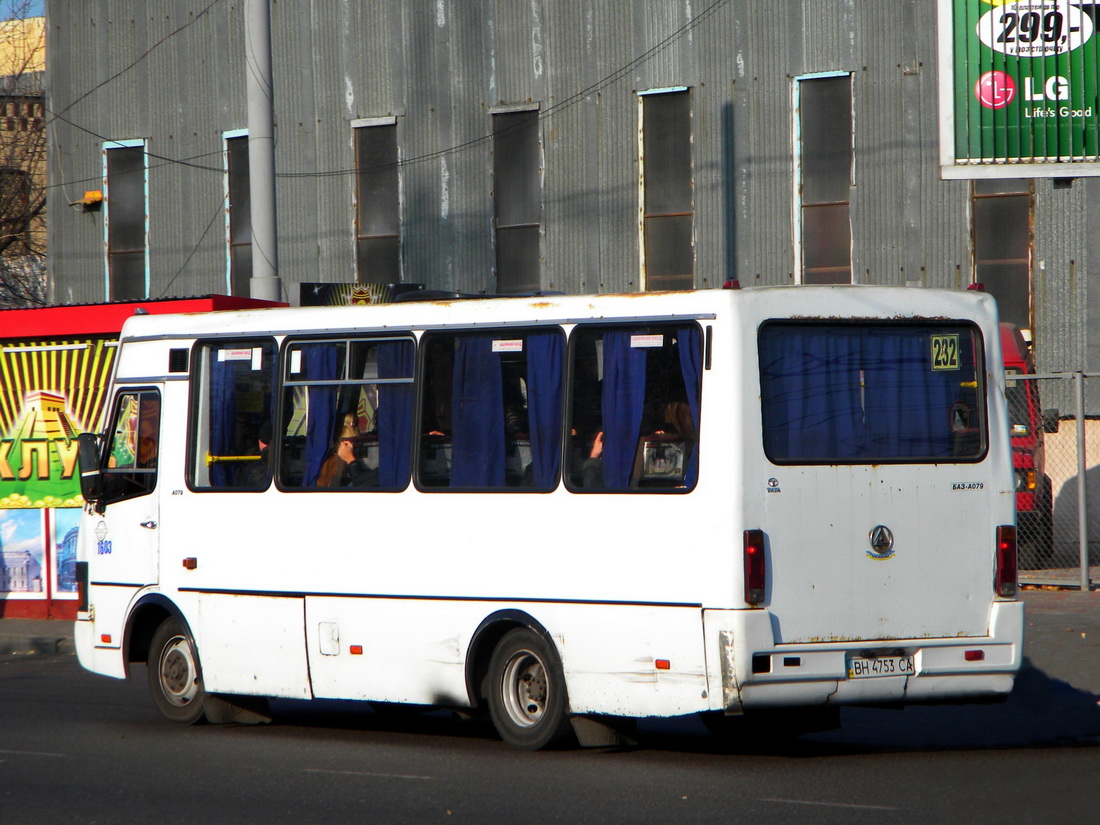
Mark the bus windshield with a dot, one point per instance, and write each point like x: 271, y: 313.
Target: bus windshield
x: 835, y: 393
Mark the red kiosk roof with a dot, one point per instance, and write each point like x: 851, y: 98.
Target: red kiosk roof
x: 107, y: 319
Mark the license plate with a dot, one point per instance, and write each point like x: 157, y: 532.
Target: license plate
x: 861, y: 668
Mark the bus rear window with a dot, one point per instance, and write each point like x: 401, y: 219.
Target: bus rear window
x: 836, y: 393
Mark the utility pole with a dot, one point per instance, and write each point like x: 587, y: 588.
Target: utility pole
x: 261, y: 150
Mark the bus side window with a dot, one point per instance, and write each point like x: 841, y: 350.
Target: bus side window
x: 348, y: 408
x: 491, y: 410
x: 634, y: 418
x: 231, y: 415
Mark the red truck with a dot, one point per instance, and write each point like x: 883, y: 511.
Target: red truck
x: 1028, y: 422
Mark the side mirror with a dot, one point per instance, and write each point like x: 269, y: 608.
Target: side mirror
x: 91, y: 475
x: 1050, y: 421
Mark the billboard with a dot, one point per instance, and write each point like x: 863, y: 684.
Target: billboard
x: 1018, y: 89
x: 50, y: 392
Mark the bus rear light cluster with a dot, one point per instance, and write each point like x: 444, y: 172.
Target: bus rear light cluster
x: 756, y: 570
x: 1004, y: 577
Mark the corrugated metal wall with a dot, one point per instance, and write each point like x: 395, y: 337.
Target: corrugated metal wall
x: 173, y: 73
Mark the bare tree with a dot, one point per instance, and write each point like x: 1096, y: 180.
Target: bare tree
x: 22, y: 159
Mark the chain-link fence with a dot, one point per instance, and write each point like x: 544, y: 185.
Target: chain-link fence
x: 1056, y: 459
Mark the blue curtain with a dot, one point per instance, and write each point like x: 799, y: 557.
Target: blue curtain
x: 864, y: 393
x: 908, y: 404
x: 477, y: 418
x: 545, y: 352
x: 623, y: 401
x: 322, y: 363
x: 395, y: 413
x: 223, y: 415
x: 811, y: 392
x: 689, y: 345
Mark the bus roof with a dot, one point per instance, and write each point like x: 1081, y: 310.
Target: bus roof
x: 803, y: 302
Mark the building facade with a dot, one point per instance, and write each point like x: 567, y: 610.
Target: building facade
x: 22, y: 162
x: 574, y: 145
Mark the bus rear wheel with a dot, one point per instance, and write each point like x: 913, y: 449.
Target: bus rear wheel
x: 175, y: 680
x: 527, y: 697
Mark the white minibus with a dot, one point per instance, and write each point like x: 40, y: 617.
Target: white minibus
x: 756, y: 505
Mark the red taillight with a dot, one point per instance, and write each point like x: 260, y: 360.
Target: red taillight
x: 1004, y: 581
x: 756, y: 569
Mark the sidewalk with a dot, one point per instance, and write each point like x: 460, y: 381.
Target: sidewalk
x: 36, y: 637
x: 1061, y: 637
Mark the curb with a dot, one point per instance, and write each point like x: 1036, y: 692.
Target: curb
x: 37, y: 646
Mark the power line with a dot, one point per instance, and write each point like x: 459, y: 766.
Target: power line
x: 166, y: 161
x: 550, y: 111
x: 543, y: 115
x: 140, y: 58
x: 220, y: 210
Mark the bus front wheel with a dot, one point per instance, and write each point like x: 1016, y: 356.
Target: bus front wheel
x: 527, y: 697
x: 175, y: 680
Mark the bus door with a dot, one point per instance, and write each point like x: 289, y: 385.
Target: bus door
x: 125, y: 530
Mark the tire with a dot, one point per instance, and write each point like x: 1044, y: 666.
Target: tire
x: 527, y: 696
x: 175, y: 678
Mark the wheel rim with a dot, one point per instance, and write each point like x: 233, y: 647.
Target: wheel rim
x: 179, y: 678
x: 526, y: 689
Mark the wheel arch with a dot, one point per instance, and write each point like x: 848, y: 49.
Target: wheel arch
x: 147, y: 615
x: 484, y: 641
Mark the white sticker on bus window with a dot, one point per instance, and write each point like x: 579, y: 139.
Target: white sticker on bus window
x: 235, y: 354
x: 638, y: 341
x: 257, y: 358
x: 295, y: 361
x: 511, y: 345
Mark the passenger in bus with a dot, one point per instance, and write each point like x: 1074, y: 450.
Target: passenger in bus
x: 676, y: 425
x: 352, y: 473
x: 254, y: 473
x: 677, y: 421
x: 592, y: 469
x: 148, y: 426
x: 332, y: 470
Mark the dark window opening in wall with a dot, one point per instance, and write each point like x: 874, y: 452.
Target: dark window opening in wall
x: 517, y: 200
x: 1001, y: 216
x: 825, y: 154
x: 240, y: 215
x: 377, y: 218
x: 15, y: 195
x: 126, y: 223
x: 668, y: 206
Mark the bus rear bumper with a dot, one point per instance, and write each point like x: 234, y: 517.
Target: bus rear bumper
x: 755, y: 672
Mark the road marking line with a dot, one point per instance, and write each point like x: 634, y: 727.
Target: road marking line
x: 369, y: 773
x: 32, y: 753
x: 832, y: 804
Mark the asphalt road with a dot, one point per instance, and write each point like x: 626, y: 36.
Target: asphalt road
x: 80, y: 748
